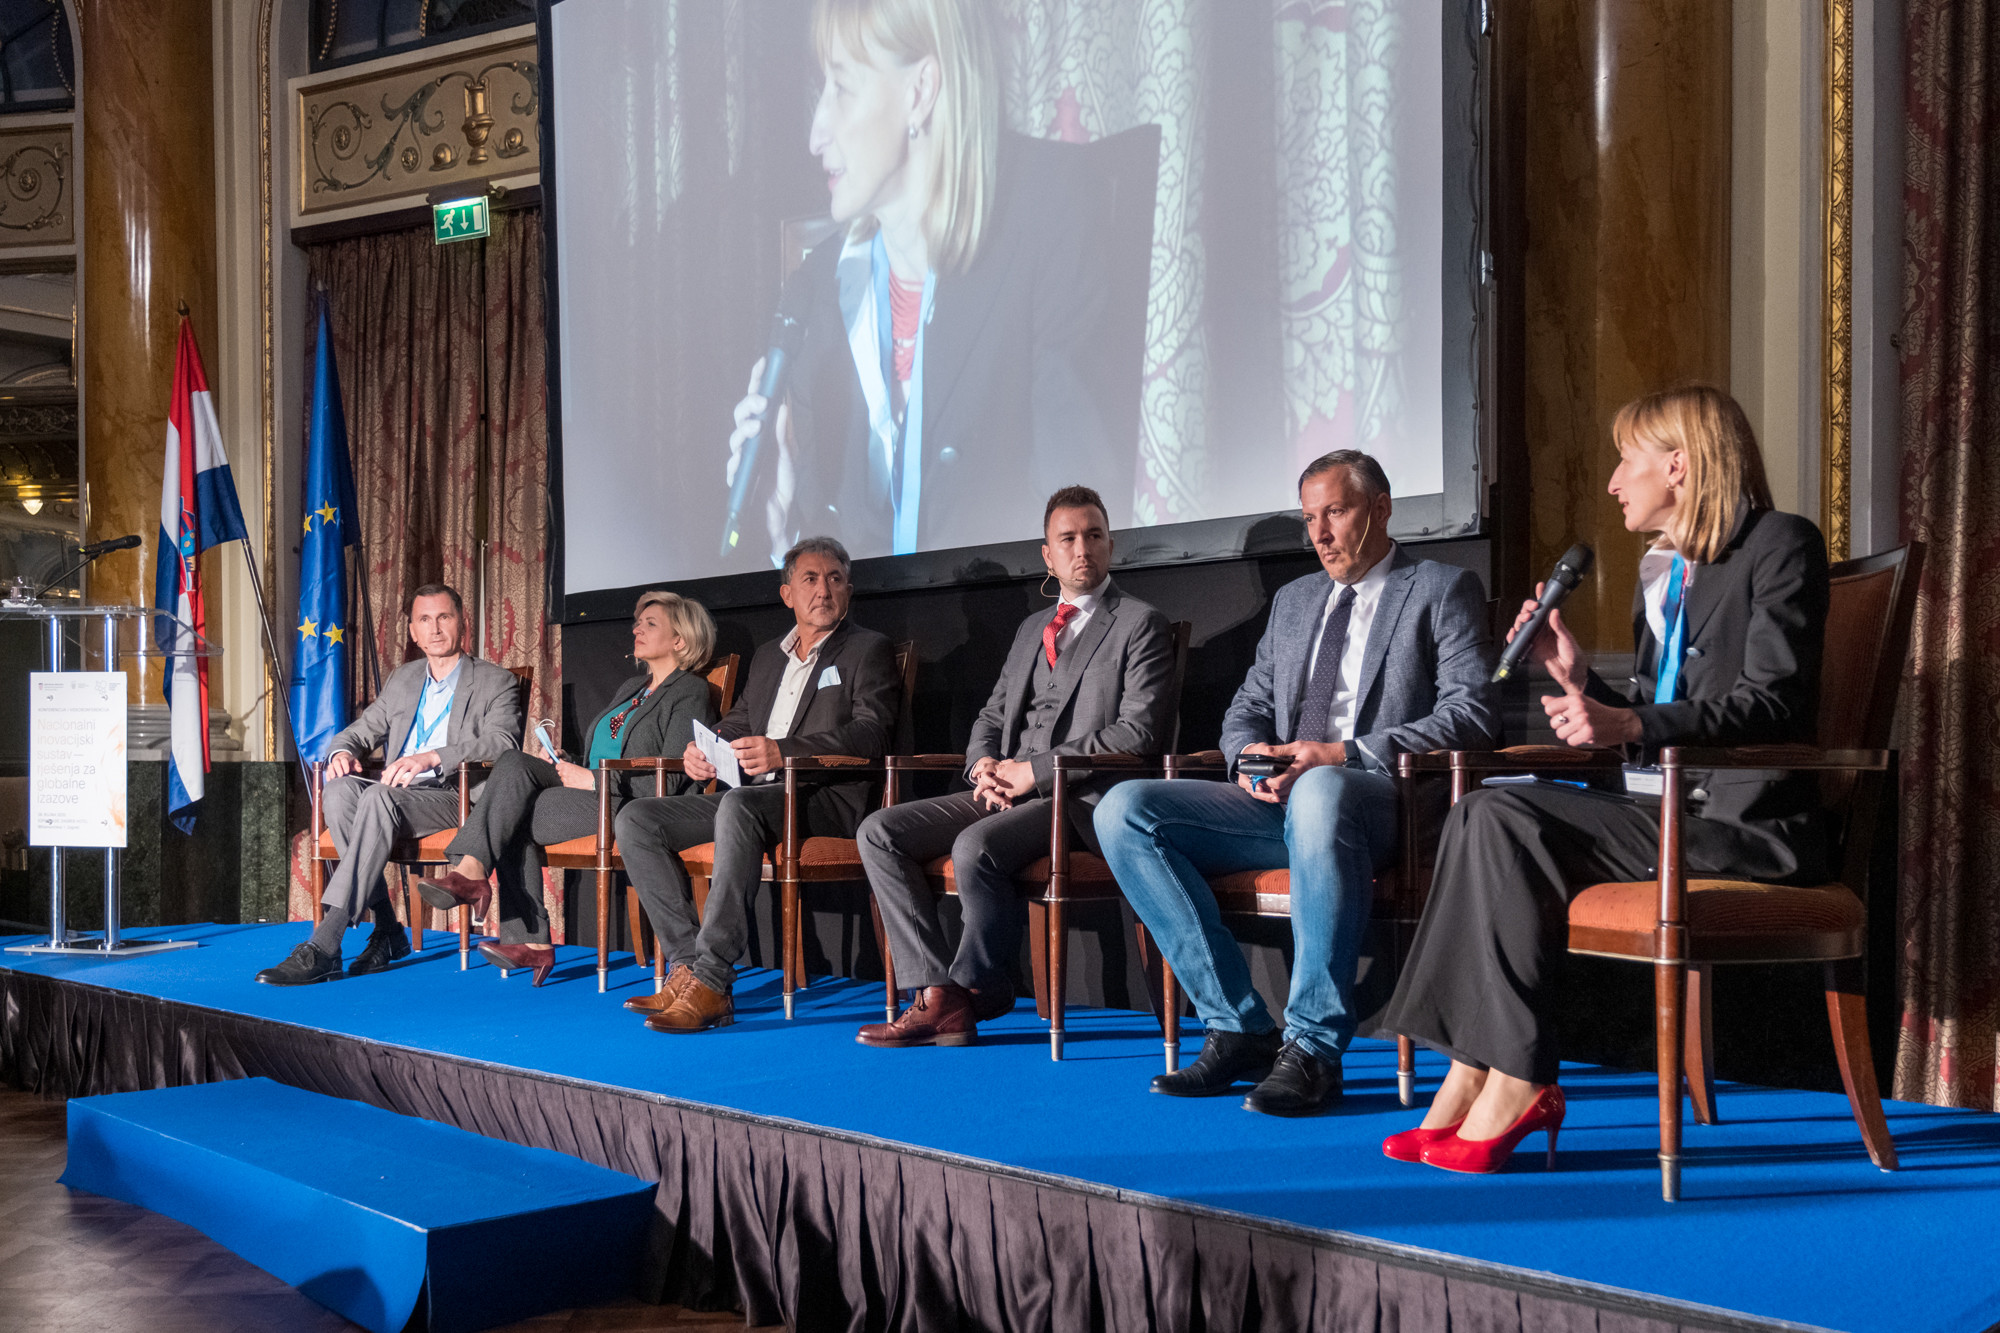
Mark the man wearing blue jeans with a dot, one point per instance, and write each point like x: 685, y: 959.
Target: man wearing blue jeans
x: 1379, y: 654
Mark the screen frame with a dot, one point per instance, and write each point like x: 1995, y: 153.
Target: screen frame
x: 1460, y: 511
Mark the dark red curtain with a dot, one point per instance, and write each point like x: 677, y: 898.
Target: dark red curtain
x: 1950, y: 909
x: 425, y: 335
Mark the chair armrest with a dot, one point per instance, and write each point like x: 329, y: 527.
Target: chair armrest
x: 1119, y: 763
x: 1533, y: 759
x: 1796, y: 758
x: 919, y: 763
x: 661, y: 765
x: 1201, y: 761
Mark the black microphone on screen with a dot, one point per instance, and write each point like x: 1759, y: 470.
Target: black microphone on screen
x: 786, y: 332
x: 96, y: 549
x: 1569, y: 572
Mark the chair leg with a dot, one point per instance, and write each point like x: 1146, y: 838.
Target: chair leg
x: 889, y: 996
x: 1170, y: 1012
x: 787, y: 931
x: 1058, y: 960
x: 1698, y: 1045
x: 1847, y: 1011
x: 635, y: 923
x: 1038, y: 955
x: 1406, y: 1070
x: 413, y: 909
x: 316, y: 878
x: 603, y: 928
x: 465, y: 937
x: 800, y: 980
x: 1669, y: 995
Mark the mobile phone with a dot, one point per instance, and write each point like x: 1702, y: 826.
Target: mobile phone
x: 1263, y: 765
x: 548, y: 746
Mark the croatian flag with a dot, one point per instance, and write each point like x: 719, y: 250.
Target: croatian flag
x: 198, y: 509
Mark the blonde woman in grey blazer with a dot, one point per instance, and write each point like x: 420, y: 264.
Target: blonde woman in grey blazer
x: 446, y: 709
x: 534, y: 801
x: 1090, y: 675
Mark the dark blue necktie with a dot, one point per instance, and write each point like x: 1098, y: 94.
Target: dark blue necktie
x: 1318, y: 706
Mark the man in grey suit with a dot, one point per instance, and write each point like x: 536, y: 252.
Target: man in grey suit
x: 1379, y: 654
x: 1090, y: 675
x: 431, y: 716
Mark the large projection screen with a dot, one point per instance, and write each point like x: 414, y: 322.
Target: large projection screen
x: 1216, y: 242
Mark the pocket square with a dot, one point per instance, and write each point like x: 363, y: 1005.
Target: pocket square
x: 829, y: 677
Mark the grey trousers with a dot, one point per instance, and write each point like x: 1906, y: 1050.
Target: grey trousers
x: 744, y: 823
x: 523, y: 808
x: 367, y: 820
x: 987, y: 849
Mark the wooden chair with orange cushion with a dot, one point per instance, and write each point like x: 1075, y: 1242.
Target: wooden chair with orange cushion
x: 598, y: 852
x: 425, y: 851
x: 1398, y: 892
x: 1051, y: 883
x: 802, y: 860
x: 1682, y: 928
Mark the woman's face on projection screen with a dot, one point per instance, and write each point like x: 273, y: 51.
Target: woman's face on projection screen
x: 861, y: 128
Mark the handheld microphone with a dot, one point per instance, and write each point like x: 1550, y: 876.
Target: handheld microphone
x: 96, y: 549
x: 1569, y: 571
x: 786, y: 333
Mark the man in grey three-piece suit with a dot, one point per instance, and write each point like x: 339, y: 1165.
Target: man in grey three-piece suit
x: 1379, y: 654
x: 1091, y: 675
x: 432, y: 715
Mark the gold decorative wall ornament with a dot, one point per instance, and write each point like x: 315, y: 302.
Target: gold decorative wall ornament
x: 386, y: 132
x: 1837, y: 318
x: 37, y: 186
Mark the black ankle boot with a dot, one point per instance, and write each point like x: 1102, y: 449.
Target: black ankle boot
x: 1226, y: 1058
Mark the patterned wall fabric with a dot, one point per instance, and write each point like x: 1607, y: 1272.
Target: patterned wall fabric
x: 1949, y: 1051
x: 1083, y: 69
x: 407, y: 331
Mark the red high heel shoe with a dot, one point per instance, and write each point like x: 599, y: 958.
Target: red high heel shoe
x: 1485, y: 1156
x: 540, y: 957
x: 1409, y: 1145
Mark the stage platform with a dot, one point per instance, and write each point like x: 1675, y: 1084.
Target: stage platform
x: 803, y: 1176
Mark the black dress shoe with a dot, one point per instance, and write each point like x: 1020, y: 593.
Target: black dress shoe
x: 1226, y: 1058
x: 305, y: 966
x: 1300, y: 1083
x: 993, y: 1000
x: 385, y: 946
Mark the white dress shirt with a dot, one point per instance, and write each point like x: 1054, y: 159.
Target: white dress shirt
x: 1086, y: 604
x: 798, y: 671
x: 1347, y: 692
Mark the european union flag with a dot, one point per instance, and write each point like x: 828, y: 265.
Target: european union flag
x: 319, y: 658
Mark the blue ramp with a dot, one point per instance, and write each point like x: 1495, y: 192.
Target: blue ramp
x: 364, y: 1210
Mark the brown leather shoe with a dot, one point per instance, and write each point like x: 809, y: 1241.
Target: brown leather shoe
x: 695, y: 1009
x: 993, y: 1000
x: 939, y: 1016
x: 537, y: 958
x: 677, y: 979
x: 452, y: 889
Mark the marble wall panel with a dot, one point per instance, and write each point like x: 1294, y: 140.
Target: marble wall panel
x: 1627, y: 160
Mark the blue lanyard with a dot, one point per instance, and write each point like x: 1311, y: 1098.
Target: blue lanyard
x: 1674, y: 613
x: 906, y: 472
x: 422, y: 732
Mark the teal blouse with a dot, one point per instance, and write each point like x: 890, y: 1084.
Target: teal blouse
x: 603, y: 745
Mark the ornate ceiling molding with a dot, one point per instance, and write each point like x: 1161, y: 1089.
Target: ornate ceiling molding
x: 384, y: 135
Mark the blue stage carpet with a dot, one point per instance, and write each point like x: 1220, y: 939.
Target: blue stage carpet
x: 1784, y: 1216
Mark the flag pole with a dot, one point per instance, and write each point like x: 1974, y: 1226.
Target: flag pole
x: 274, y: 666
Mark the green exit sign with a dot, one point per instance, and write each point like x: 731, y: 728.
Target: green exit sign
x: 460, y: 220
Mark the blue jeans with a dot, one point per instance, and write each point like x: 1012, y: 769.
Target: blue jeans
x: 1163, y: 839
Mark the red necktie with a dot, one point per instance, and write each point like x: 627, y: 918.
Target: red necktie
x: 1054, y: 628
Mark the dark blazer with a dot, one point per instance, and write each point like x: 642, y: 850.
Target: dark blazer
x: 855, y: 716
x: 1019, y: 383
x: 1756, y: 621
x: 661, y: 726
x: 1425, y: 674
x: 1114, y: 682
